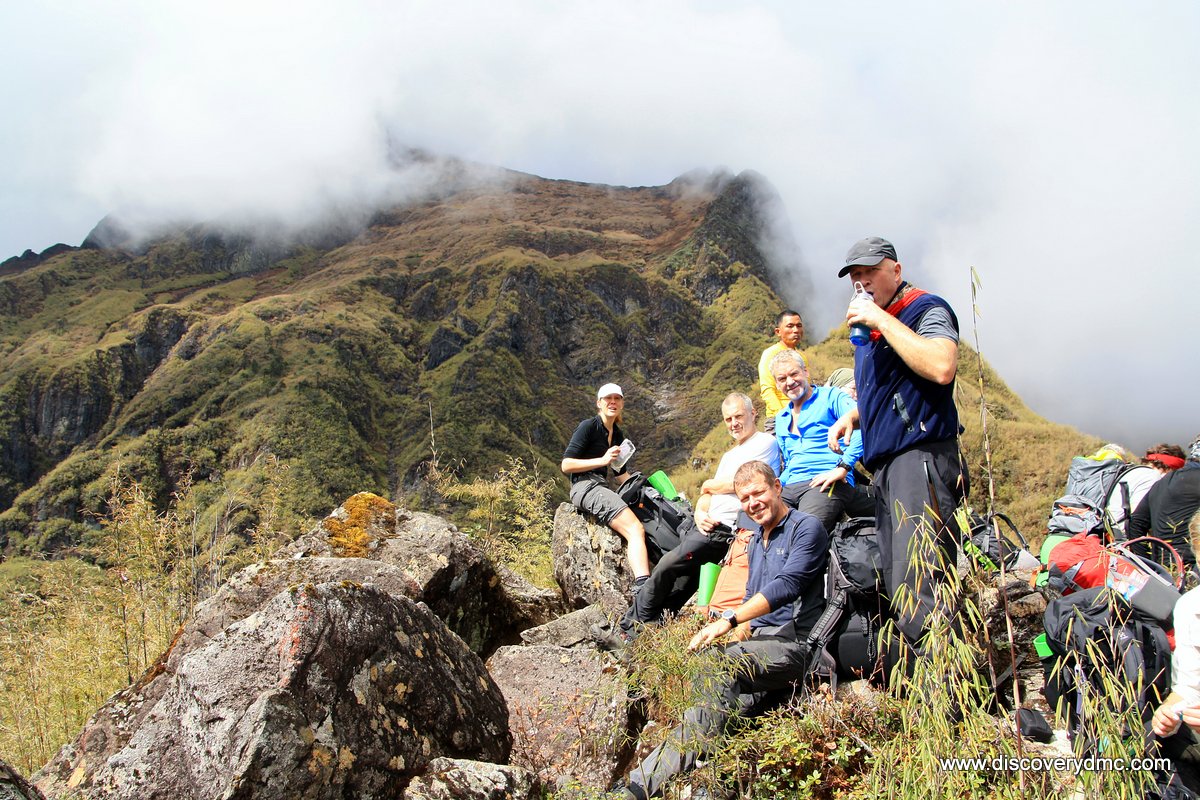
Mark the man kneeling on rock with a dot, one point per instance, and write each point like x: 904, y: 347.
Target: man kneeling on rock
x: 784, y: 598
x: 715, y: 519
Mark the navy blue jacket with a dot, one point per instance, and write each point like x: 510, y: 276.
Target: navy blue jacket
x: 899, y: 409
x: 789, y: 572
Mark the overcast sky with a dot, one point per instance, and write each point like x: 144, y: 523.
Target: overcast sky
x: 1044, y: 144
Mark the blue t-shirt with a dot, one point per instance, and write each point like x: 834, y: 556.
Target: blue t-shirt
x: 789, y: 570
x: 806, y: 453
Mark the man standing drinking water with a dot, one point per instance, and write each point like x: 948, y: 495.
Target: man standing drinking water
x: 905, y: 379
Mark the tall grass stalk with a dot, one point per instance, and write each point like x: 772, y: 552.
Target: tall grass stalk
x: 976, y: 284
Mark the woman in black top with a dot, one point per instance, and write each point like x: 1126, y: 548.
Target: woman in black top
x: 594, y: 446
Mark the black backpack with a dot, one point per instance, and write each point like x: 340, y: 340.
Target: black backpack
x: 666, y: 521
x: 1098, y: 640
x: 844, y: 642
x: 994, y: 539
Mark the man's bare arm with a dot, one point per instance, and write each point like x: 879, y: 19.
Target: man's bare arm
x: 714, y: 486
x: 932, y: 359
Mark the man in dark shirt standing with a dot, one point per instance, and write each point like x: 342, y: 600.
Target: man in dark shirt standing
x: 788, y: 554
x: 905, y: 380
x: 1167, y: 509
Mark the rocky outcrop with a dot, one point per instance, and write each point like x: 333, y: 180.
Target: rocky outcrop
x: 326, y: 672
x: 570, y: 713
x: 483, y: 603
x: 457, y: 779
x: 570, y: 630
x: 324, y: 692
x: 589, y: 562
x: 1025, y: 606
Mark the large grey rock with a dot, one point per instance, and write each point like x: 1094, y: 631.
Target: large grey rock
x: 589, y: 562
x: 111, y: 727
x: 570, y: 713
x: 484, y: 604
x: 457, y: 779
x: 328, y: 691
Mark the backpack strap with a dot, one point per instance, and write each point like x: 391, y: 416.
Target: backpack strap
x: 1126, y: 511
x: 827, y: 624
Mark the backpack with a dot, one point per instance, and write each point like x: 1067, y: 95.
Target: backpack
x: 844, y: 642
x: 1093, y: 478
x: 856, y: 551
x: 1091, y: 484
x: 991, y: 546
x: 666, y: 521
x: 1073, y: 514
x: 1082, y: 562
x: 1098, y: 642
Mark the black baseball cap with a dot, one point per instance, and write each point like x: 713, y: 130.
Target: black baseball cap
x: 867, y: 253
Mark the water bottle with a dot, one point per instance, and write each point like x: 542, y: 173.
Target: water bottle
x: 860, y: 334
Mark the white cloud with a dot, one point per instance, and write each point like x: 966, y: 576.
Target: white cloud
x: 1048, y: 145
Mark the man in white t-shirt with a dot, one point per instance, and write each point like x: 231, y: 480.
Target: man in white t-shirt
x: 718, y: 505
x: 715, y: 519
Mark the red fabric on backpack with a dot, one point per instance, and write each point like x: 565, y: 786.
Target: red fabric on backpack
x: 1082, y: 560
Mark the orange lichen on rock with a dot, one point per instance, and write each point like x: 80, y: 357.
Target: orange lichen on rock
x: 350, y: 531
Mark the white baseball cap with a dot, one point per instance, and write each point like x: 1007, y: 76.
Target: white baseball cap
x: 607, y: 389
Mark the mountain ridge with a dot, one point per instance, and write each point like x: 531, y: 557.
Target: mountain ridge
x: 481, y: 314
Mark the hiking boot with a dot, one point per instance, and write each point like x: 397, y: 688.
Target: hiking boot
x: 614, y: 640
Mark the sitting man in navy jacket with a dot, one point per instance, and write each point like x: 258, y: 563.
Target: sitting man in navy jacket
x: 785, y: 596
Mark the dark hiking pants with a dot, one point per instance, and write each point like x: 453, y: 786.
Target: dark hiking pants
x: 695, y: 548
x: 826, y: 506
x: 918, y: 493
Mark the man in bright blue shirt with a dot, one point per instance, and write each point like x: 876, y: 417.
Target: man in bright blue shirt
x: 816, y: 480
x: 789, y: 552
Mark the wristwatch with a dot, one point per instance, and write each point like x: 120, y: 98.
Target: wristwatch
x: 730, y: 616
x: 846, y: 466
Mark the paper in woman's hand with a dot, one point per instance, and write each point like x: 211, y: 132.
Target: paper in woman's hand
x: 627, y: 450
